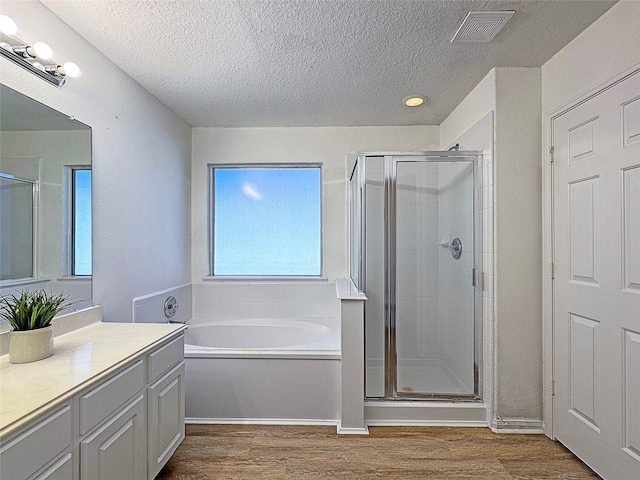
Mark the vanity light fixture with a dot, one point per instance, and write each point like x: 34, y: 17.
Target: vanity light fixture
x: 35, y: 58
x: 413, y: 100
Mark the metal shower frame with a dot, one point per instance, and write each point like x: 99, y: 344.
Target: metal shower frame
x: 389, y: 177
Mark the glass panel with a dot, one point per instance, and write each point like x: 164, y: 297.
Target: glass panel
x: 81, y: 263
x: 267, y: 221
x: 434, y: 293
x: 355, y: 217
x: 375, y: 284
x: 16, y: 229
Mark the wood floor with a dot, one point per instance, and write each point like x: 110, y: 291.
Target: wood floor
x: 309, y: 453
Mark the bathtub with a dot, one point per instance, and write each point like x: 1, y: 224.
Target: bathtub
x: 263, y: 370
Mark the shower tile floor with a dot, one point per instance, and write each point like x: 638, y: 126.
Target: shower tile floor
x: 424, y: 379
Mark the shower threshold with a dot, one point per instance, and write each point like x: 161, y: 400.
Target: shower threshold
x: 402, y: 412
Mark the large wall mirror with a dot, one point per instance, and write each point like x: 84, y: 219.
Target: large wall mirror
x: 45, y: 199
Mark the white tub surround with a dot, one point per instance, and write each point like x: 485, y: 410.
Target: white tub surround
x: 263, y: 371
x: 352, y: 365
x: 108, y: 404
x: 150, y: 308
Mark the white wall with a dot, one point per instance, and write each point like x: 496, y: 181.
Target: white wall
x: 608, y: 46
x: 517, y: 194
x: 513, y: 94
x: 141, y: 164
x: 295, y: 145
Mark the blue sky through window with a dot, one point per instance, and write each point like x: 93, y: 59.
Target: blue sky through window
x: 267, y: 221
x: 81, y: 222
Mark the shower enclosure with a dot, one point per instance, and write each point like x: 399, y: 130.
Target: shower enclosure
x: 413, y: 252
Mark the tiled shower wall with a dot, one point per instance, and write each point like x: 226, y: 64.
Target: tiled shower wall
x: 456, y: 330
x: 417, y: 301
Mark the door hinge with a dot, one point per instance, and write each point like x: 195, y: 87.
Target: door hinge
x: 553, y: 387
x: 551, y: 154
x: 553, y: 271
x: 474, y: 272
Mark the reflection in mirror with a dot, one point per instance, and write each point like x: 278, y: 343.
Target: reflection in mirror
x: 45, y: 199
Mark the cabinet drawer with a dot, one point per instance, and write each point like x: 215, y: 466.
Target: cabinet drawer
x: 164, y: 358
x: 97, y: 404
x: 26, y: 453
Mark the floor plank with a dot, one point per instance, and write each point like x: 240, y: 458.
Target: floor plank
x: 212, y: 452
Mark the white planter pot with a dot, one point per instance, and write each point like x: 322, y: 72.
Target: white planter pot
x: 30, y: 345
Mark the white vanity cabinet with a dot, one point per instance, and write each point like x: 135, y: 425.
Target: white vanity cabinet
x: 125, y: 424
x: 41, y: 450
x: 165, y: 403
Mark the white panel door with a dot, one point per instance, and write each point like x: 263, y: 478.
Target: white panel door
x: 596, y: 195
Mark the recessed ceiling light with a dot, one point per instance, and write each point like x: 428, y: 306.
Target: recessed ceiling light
x: 413, y: 101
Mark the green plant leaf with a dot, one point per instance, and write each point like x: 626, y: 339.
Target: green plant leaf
x: 33, y: 309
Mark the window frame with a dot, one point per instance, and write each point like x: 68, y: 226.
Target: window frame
x: 71, y: 182
x: 211, y: 167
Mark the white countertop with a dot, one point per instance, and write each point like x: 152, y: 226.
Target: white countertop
x: 80, y: 358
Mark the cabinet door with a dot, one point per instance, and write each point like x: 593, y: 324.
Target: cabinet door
x: 166, y: 418
x: 27, y: 452
x: 60, y: 470
x: 117, y: 449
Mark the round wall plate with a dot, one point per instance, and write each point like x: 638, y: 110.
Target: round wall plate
x: 456, y: 248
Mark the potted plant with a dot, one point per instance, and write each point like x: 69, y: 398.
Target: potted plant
x: 30, y: 315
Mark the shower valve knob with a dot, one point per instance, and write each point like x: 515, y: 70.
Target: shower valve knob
x: 170, y: 307
x: 456, y: 248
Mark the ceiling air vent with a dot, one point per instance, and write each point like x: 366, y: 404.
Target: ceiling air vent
x: 481, y: 27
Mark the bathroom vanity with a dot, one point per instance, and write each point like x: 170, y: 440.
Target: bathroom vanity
x: 108, y: 404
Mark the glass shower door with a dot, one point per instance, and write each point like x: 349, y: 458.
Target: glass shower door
x: 431, y: 251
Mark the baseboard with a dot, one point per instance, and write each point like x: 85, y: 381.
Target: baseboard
x: 517, y: 425
x: 259, y: 421
x: 352, y: 431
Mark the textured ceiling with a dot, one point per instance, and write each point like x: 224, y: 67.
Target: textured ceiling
x: 316, y: 62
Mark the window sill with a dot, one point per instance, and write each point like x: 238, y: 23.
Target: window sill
x: 220, y: 278
x: 22, y: 281
x: 78, y: 278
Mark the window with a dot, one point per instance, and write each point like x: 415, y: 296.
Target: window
x: 266, y: 220
x: 80, y: 221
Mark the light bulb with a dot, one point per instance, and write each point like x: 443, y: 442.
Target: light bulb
x: 70, y: 69
x: 7, y: 25
x: 43, y: 50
